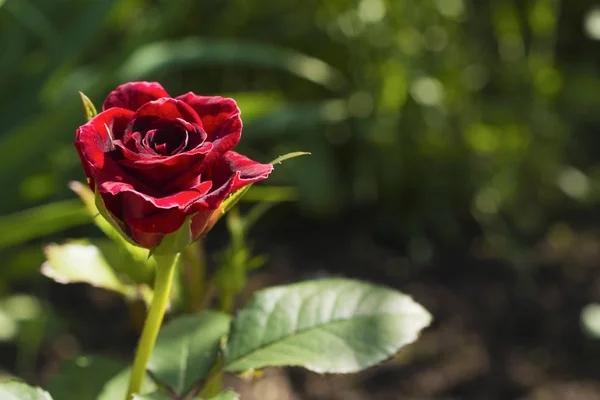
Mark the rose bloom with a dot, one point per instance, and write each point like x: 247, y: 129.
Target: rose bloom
x: 155, y: 160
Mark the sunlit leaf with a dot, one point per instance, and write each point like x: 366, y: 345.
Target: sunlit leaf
x: 81, y: 262
x: 330, y: 325
x: 16, y: 390
x: 116, y: 387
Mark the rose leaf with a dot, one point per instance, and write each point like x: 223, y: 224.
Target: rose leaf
x: 17, y: 390
x: 326, y: 326
x: 186, y: 350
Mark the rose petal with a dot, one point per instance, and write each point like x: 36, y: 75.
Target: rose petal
x: 148, y: 231
x: 94, y: 139
x: 240, y: 168
x: 159, y: 171
x: 133, y: 95
x: 230, y: 173
x: 220, y: 147
x: 138, y: 204
x: 200, y: 222
x: 148, y: 218
x: 213, y: 111
x: 168, y: 108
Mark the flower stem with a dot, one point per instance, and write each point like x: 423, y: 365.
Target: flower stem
x: 197, y: 275
x: 165, y: 267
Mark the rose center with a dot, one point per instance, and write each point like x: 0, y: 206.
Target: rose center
x: 168, y: 140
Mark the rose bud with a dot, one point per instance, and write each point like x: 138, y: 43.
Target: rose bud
x: 160, y: 165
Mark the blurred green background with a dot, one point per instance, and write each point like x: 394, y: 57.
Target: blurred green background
x: 454, y: 155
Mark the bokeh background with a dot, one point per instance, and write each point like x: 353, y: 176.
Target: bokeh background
x: 455, y: 156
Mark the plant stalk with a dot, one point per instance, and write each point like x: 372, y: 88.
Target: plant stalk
x: 165, y: 270
x: 197, y: 275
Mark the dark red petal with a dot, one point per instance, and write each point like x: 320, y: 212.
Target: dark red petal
x: 147, y: 217
x: 168, y: 108
x: 220, y: 146
x: 138, y: 204
x: 240, y: 168
x: 95, y: 138
x: 160, y: 171
x: 214, y: 111
x: 148, y: 231
x: 200, y: 222
x: 133, y: 95
x: 228, y: 174
x: 146, y: 240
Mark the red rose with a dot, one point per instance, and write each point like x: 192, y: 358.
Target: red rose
x: 155, y: 160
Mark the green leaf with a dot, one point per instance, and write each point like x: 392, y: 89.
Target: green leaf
x: 186, y: 350
x: 88, y: 107
x: 81, y: 262
x: 82, y: 378
x: 330, y: 325
x: 157, y: 57
x: 227, y: 395
x: 40, y: 221
x: 116, y: 387
x: 17, y: 390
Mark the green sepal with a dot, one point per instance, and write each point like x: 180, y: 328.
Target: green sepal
x: 107, y: 216
x: 111, y: 228
x: 88, y: 107
x: 234, y: 198
x: 177, y: 241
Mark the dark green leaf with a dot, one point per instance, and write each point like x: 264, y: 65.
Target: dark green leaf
x: 40, y: 221
x: 186, y: 350
x: 160, y: 56
x: 16, y: 390
x: 82, y: 378
x: 330, y: 325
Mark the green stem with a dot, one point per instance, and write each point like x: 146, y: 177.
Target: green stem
x: 197, y: 271
x: 165, y: 267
